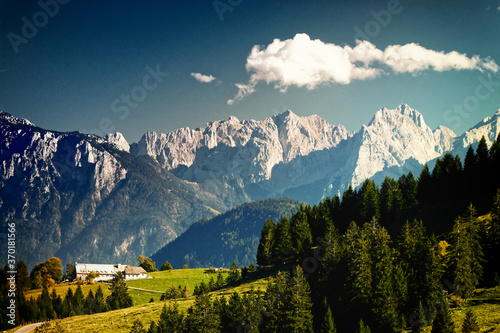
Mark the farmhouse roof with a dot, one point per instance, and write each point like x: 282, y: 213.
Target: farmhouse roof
x: 134, y: 270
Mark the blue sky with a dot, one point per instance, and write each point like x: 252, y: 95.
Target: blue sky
x: 132, y: 66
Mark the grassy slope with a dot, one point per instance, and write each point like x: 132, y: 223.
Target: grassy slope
x: 486, y: 303
x: 122, y: 320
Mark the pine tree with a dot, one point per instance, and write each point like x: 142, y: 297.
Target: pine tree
x: 383, y: 299
x: 357, y: 251
x: 417, y: 255
x: 466, y: 254
x: 202, y: 316
x: 386, y: 198
x: 328, y: 324
x: 68, y: 303
x: 362, y: 328
x: 301, y: 234
x: 57, y: 304
x: 424, y: 187
x: 369, y: 200
x: 89, y: 303
x: 23, y: 281
x: 442, y: 322
x: 220, y: 281
x: 137, y: 327
x: 418, y: 320
x: 78, y: 301
x: 408, y: 185
x: 282, y: 241
x: 119, y: 297
x: 171, y: 319
x: 299, y: 316
x: 100, y: 302
x: 470, y: 322
x: 349, y: 210
x: 234, y: 273
x: 266, y: 243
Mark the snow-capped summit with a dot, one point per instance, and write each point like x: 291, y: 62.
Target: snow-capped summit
x: 392, y: 138
x: 489, y: 127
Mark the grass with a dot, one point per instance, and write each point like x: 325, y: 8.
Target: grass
x: 159, y: 281
x: 122, y: 320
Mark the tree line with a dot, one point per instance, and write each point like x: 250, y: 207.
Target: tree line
x: 50, y: 305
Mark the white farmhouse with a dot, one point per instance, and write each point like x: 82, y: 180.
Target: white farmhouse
x: 108, y: 272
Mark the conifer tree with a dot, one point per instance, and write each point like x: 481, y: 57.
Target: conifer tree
x: 348, y: 208
x: 443, y: 322
x: 357, y: 251
x: 466, y: 254
x: 369, y: 201
x: 470, y: 322
x: 495, y: 162
x: 234, y: 273
x: 482, y: 154
x: 299, y: 316
x: 328, y: 323
x: 23, y: 281
x: 68, y: 303
x: 57, y: 304
x: 383, y: 299
x: 137, y: 327
x: 424, y: 187
x: 220, y: 281
x: 494, y: 237
x: 408, y: 185
x: 78, y: 301
x: 301, y: 234
x: 171, y: 320
x: 362, y: 328
x: 119, y: 297
x: 417, y: 254
x: 418, y: 320
x: 202, y: 316
x: 282, y: 240
x: 100, y: 302
x: 266, y: 243
x: 89, y: 303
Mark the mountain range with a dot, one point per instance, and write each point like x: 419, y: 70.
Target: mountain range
x: 85, y: 198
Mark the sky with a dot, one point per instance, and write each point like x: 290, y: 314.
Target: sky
x: 139, y: 66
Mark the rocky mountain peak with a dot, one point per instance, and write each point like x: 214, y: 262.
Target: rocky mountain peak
x: 9, y: 119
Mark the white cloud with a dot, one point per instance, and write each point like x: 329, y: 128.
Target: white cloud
x: 203, y: 78
x: 303, y: 62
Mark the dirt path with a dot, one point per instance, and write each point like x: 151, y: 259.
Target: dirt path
x: 148, y: 290
x: 28, y: 328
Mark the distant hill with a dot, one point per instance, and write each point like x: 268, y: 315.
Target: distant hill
x: 233, y: 235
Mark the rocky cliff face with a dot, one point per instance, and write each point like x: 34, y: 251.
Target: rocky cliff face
x: 249, y: 149
x: 82, y: 197
x: 302, y: 157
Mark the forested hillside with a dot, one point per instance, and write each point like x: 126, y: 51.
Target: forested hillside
x: 232, y: 236
x: 409, y: 277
